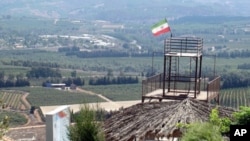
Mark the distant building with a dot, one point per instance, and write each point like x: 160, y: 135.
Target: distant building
x: 113, y: 26
x: 19, y: 46
x: 60, y: 86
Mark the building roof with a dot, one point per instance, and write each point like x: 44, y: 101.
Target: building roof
x: 58, y: 84
x: 159, y: 118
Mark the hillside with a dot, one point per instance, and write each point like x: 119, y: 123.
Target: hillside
x: 128, y: 10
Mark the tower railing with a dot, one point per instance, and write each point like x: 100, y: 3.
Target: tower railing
x: 213, y: 88
x: 184, y: 45
x: 152, y: 83
x: 176, y: 83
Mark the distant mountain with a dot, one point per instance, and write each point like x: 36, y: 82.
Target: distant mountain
x: 123, y: 10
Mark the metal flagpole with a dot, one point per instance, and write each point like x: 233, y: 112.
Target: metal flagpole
x: 171, y: 35
x: 164, y: 65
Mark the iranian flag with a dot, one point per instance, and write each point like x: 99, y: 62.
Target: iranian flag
x: 160, y: 27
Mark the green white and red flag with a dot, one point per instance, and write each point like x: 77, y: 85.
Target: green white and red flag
x: 160, y: 27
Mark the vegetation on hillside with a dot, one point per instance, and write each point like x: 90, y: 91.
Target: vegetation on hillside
x: 4, y: 121
x: 216, y: 126
x: 52, y: 49
x: 113, y: 80
x: 235, y: 97
x: 43, y: 72
x: 129, y: 10
x: 202, y: 131
x: 86, y: 126
x: 211, y: 130
x: 4, y: 124
x: 13, y: 119
x: 242, y: 117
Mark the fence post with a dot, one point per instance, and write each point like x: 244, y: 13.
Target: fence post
x: 207, y: 90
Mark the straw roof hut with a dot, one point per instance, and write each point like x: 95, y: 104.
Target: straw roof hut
x: 149, y: 121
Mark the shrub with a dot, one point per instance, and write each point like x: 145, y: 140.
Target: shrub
x: 202, y: 132
x: 86, y: 126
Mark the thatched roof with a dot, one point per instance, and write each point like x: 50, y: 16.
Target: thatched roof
x: 158, y: 118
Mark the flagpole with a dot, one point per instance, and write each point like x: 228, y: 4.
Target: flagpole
x: 165, y: 65
x: 171, y: 35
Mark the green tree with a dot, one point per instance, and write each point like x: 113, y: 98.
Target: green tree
x: 207, y: 131
x: 242, y: 117
x: 43, y: 72
x: 78, y: 81
x: 73, y: 73
x: 110, y: 73
x: 2, y: 74
x: 4, y: 124
x: 223, y: 123
x: 86, y: 127
x: 202, y: 132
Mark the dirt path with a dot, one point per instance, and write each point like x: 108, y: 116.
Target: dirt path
x: 92, y: 93
x: 33, y: 119
x: 24, y: 100
x: 28, y: 127
x: 96, y: 94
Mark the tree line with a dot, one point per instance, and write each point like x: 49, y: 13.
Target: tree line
x: 235, y: 80
x: 13, y: 81
x: 67, y: 81
x: 28, y: 63
x: 245, y: 66
x: 44, y: 72
x: 94, y: 81
x: 106, y: 80
x: 233, y: 54
x: 55, y: 76
x: 70, y: 51
x: 229, y: 80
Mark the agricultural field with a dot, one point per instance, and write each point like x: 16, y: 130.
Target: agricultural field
x: 100, y: 64
x: 128, y: 65
x: 235, y: 97
x: 118, y: 92
x: 40, y: 96
x: 13, y: 100
x: 229, y: 35
x: 12, y: 104
x: 13, y: 70
x: 16, y: 119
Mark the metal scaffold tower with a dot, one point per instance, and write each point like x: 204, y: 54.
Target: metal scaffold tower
x: 182, y: 73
